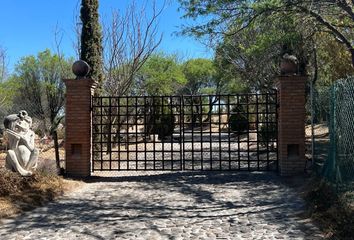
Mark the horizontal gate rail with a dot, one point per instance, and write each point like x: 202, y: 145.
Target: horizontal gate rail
x: 174, y: 133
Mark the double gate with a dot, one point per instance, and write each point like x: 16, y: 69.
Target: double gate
x: 174, y: 133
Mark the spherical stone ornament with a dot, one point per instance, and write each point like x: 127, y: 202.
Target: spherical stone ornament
x: 81, y: 69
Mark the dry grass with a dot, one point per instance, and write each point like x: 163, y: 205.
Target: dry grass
x: 333, y: 213
x: 18, y: 194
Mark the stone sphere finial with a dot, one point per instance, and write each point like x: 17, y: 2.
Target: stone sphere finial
x: 81, y: 69
x: 289, y: 65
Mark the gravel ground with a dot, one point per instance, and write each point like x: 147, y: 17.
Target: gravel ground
x: 180, y: 205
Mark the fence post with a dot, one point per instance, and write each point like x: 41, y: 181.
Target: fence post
x: 291, y: 124
x: 78, y: 125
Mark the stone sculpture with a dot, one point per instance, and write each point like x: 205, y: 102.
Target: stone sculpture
x: 22, y: 155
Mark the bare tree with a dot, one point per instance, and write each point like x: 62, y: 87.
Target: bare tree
x: 129, y: 40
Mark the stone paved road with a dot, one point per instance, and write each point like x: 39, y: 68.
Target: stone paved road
x: 170, y: 206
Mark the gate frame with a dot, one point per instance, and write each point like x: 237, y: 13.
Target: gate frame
x: 263, y: 104
x: 291, y: 125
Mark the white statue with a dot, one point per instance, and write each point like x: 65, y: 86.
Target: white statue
x: 21, y: 156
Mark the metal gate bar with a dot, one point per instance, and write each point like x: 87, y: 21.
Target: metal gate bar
x: 174, y: 133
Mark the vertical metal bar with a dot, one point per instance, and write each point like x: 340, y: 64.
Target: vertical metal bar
x: 276, y: 122
x: 127, y: 133
x: 228, y: 129
x: 257, y: 128
x: 267, y: 127
x: 173, y: 125
x: 192, y: 103
x: 119, y: 131
x: 109, y: 140
x: 161, y: 140
x: 136, y: 133
x: 154, y: 128
x: 238, y: 135
x: 211, y: 131
x: 220, y: 142
x: 94, y: 134
x: 201, y: 131
x: 248, y: 130
x: 183, y: 136
x: 101, y: 129
x: 146, y: 133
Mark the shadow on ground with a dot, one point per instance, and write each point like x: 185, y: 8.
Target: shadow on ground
x: 170, y: 206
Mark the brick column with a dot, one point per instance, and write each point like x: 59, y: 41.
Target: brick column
x: 78, y: 129
x: 291, y: 124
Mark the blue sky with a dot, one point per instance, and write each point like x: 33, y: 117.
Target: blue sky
x: 28, y: 26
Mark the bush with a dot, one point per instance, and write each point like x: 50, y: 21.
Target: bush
x: 47, y: 167
x: 238, y: 120
x: 165, y: 126
x: 267, y: 133
x: 12, y: 182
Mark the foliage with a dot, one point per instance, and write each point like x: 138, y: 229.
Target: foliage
x: 160, y: 75
x: 164, y: 126
x: 332, y: 211
x: 334, y: 17
x: 200, y: 75
x: 37, y: 87
x: 333, y: 60
x: 267, y: 133
x: 253, y: 55
x: 91, y: 39
x: 238, y: 119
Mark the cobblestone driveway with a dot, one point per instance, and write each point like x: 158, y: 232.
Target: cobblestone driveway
x: 171, y: 206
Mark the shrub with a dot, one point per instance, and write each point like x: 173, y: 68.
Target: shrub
x: 12, y: 182
x: 267, y: 133
x: 238, y: 120
x: 47, y: 167
x: 165, y: 126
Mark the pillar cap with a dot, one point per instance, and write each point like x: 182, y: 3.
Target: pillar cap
x: 80, y: 68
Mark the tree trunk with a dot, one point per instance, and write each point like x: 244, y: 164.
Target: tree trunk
x: 56, y: 147
x: 211, y: 105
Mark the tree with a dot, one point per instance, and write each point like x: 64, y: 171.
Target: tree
x: 333, y: 61
x: 333, y: 17
x: 91, y: 40
x: 200, y: 74
x: 160, y: 75
x: 254, y: 54
x: 37, y: 87
x: 129, y: 40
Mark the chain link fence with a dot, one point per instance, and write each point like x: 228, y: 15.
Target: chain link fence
x: 333, y: 135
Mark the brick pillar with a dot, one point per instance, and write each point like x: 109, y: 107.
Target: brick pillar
x: 78, y: 129
x: 291, y: 124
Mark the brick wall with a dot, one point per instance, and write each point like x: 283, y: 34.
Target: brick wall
x: 78, y: 130
x: 291, y: 124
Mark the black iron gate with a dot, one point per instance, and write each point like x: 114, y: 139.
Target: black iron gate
x: 205, y: 132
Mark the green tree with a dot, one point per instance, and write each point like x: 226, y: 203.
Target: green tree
x: 91, y: 39
x: 333, y: 17
x: 254, y: 54
x: 37, y: 86
x: 160, y: 75
x: 200, y: 75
